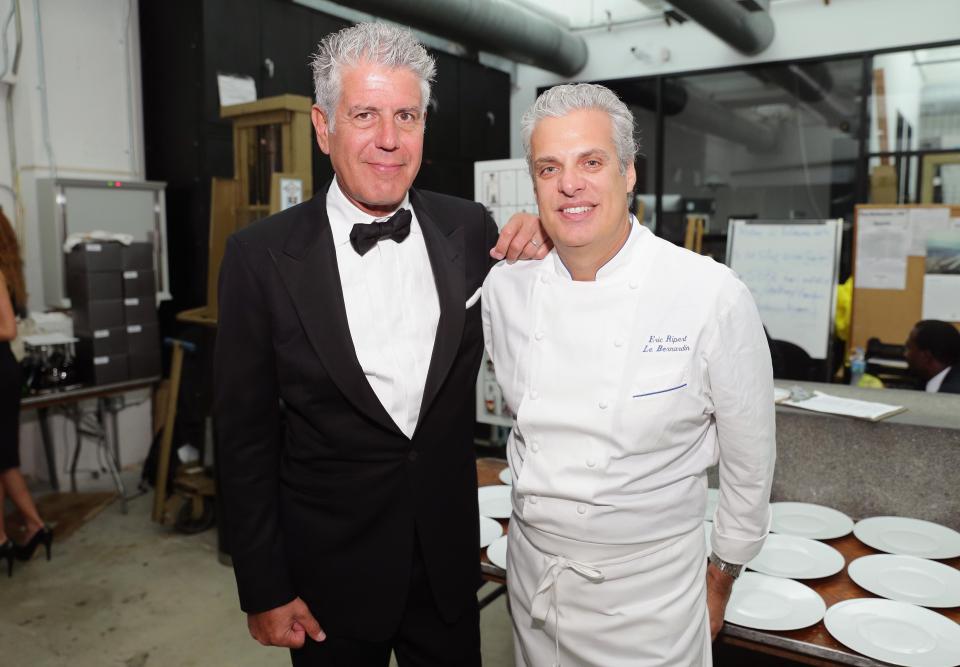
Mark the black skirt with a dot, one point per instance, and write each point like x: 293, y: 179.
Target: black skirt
x: 9, y: 409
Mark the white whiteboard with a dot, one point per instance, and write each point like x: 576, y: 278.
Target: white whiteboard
x: 791, y: 270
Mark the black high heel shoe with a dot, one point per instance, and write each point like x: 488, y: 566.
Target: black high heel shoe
x: 7, y: 550
x: 43, y: 536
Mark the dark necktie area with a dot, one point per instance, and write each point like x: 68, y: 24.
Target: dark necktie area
x: 397, y: 227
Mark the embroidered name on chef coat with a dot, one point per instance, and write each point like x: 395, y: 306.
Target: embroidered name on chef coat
x: 666, y: 343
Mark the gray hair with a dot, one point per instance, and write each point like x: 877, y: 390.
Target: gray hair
x: 378, y: 43
x: 566, y: 98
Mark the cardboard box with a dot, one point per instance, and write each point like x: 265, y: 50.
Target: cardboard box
x: 98, y: 315
x: 145, y: 365
x: 92, y: 257
x: 139, y: 283
x: 143, y: 339
x: 103, y: 342
x: 86, y: 286
x: 137, y: 257
x: 105, y: 369
x: 140, y: 310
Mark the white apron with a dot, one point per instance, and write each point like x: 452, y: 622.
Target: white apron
x: 577, y: 604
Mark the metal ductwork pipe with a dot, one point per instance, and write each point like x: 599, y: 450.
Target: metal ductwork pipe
x: 699, y: 113
x: 749, y: 32
x: 490, y: 25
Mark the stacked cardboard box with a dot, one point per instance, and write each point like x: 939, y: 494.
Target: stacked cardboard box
x: 112, y: 291
x: 140, y: 310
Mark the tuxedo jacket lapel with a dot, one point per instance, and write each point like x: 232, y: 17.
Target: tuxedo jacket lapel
x: 308, y: 268
x: 444, y: 243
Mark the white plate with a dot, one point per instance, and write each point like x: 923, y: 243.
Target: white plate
x: 494, y: 501
x: 908, y: 537
x: 808, y: 520
x: 895, y: 632
x: 771, y: 603
x: 713, y: 497
x: 795, y: 557
x: 908, y: 579
x: 490, y: 529
x: 780, y: 394
x: 497, y: 552
x: 505, y: 476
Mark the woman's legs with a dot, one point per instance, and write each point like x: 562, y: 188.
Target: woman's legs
x: 15, y: 486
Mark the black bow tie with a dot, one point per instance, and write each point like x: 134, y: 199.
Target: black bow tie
x: 365, y: 236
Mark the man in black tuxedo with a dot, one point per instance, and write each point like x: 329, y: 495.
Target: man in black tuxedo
x: 933, y: 354
x: 348, y: 346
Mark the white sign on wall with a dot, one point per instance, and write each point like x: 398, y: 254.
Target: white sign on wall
x: 504, y: 187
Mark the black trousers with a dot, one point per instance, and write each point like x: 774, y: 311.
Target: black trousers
x: 423, y: 639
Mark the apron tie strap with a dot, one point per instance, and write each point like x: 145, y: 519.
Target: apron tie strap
x: 548, y: 591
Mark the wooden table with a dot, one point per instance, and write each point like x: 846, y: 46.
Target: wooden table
x: 810, y: 646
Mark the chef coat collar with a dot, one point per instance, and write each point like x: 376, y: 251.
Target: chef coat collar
x: 617, y: 263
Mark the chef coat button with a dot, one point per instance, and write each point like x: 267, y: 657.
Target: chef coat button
x: 581, y: 509
x: 535, y: 446
x: 543, y: 279
x: 591, y: 462
x: 538, y: 335
x: 634, y: 284
x: 618, y: 342
x: 603, y: 405
x: 532, y: 499
x: 534, y: 394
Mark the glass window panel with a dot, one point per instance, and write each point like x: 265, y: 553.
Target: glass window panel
x: 776, y: 142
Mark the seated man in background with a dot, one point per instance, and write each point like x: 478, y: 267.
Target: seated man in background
x: 933, y: 349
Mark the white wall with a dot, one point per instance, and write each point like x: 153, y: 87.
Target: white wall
x: 804, y: 29
x: 90, y: 54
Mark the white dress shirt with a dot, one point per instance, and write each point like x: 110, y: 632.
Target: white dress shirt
x: 933, y: 384
x: 392, y: 308
x: 627, y: 388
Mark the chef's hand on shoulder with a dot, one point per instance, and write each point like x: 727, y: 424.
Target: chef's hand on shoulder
x: 286, y: 626
x: 719, y: 585
x: 522, y: 238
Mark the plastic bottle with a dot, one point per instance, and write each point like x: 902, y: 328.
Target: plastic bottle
x: 858, y: 366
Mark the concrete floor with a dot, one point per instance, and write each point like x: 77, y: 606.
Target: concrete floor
x: 126, y: 592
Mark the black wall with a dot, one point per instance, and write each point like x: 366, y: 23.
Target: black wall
x: 186, y: 43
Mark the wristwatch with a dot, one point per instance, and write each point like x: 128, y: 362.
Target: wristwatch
x: 727, y: 568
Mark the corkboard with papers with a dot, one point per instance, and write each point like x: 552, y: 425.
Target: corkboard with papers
x: 888, y: 291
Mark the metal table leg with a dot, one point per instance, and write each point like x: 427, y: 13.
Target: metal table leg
x: 48, y: 448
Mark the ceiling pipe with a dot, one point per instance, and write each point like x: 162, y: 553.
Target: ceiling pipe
x: 489, y: 25
x: 749, y: 32
x: 697, y: 112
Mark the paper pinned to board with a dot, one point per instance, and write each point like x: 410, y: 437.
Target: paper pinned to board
x: 847, y: 407
x: 941, y: 283
x: 235, y: 89
x: 883, y: 242
x: 924, y: 222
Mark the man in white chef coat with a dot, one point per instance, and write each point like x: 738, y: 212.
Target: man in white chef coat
x: 632, y: 366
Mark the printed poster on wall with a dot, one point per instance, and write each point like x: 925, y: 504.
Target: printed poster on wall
x: 941, y: 283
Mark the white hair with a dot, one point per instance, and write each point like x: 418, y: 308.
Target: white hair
x: 564, y: 99
x: 376, y: 43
